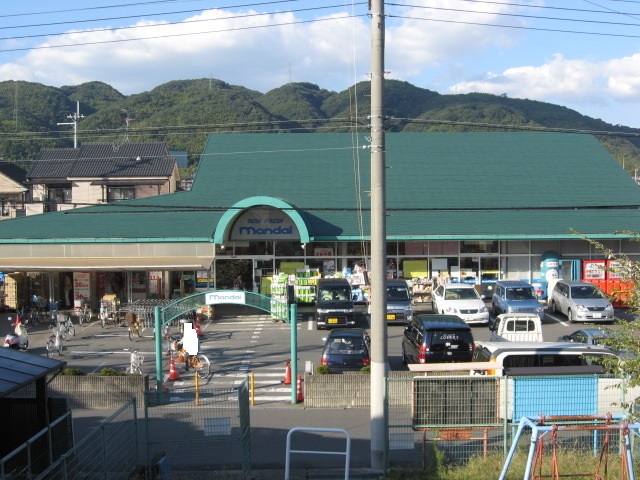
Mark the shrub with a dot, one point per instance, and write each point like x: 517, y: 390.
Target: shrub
x: 73, y: 372
x: 366, y: 370
x: 110, y: 372
x: 322, y: 370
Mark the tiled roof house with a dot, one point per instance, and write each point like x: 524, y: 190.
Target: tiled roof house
x: 68, y: 178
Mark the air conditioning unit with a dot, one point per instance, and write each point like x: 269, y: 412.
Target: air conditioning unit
x: 37, y: 198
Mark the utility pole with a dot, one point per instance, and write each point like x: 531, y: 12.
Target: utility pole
x: 378, y: 239
x: 75, y: 118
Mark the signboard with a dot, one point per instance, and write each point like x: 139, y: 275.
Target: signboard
x: 81, y: 286
x: 214, y: 298
x: 264, y: 224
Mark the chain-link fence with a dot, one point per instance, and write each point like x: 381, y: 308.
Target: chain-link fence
x: 456, y: 418
x: 195, y: 429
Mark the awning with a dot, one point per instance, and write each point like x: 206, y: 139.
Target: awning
x: 35, y: 264
x: 18, y: 369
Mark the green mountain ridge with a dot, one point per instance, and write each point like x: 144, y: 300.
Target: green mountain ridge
x: 184, y: 112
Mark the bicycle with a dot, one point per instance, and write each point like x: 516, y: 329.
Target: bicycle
x: 66, y: 325
x: 135, y: 362
x: 135, y: 325
x: 83, y: 314
x: 55, y: 342
x: 200, y: 363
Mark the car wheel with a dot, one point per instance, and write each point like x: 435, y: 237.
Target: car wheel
x: 552, y: 307
x: 570, y: 316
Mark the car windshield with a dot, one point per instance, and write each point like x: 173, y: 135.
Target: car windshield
x: 586, y: 291
x: 520, y: 294
x: 334, y: 293
x: 346, y: 346
x: 460, y: 294
x: 397, y: 294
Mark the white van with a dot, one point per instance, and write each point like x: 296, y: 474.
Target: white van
x: 540, y: 358
x: 517, y: 327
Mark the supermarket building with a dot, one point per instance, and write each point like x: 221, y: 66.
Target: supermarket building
x: 468, y: 207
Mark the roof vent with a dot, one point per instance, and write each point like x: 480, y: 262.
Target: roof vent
x: 138, y: 158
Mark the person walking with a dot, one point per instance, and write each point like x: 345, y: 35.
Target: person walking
x: 238, y: 283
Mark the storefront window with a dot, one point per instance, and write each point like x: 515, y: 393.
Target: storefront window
x: 479, y: 246
x: 442, y: 248
x: 392, y: 248
x: 514, y: 247
x: 355, y: 248
x: 290, y: 249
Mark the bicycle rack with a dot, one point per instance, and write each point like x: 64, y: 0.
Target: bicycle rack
x: 346, y: 453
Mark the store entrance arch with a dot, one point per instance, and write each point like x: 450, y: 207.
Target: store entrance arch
x: 181, y: 306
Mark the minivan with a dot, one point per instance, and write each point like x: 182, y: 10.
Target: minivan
x: 334, y: 303
x: 399, y: 302
x: 512, y: 296
x: 580, y: 302
x: 437, y: 339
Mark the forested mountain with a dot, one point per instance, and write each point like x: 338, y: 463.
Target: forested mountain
x: 184, y: 112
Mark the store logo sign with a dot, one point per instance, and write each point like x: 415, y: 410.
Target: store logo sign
x: 266, y: 231
x: 214, y: 298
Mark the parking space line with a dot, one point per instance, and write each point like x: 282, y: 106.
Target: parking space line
x: 557, y: 320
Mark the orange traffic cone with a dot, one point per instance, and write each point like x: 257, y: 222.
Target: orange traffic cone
x: 173, y: 371
x: 198, y: 329
x: 299, y: 394
x: 287, y: 374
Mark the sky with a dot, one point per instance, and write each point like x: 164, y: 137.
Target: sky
x: 581, y: 54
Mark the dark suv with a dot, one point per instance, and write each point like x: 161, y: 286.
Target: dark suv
x: 346, y: 349
x: 437, y: 339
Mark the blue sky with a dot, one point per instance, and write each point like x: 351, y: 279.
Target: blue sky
x: 581, y: 54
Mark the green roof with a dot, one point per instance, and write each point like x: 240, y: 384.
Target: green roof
x: 439, y: 186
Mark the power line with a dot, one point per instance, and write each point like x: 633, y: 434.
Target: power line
x: 299, y: 22
x: 166, y: 24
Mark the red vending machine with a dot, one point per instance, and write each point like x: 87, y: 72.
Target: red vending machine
x: 595, y: 271
x: 619, y: 288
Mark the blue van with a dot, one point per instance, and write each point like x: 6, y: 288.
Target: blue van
x: 515, y: 296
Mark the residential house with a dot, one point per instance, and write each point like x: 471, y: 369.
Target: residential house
x: 67, y: 178
x: 12, y: 190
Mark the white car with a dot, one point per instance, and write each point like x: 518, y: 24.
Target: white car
x: 460, y: 299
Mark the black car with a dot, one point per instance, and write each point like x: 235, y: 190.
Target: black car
x: 346, y: 349
x: 437, y: 339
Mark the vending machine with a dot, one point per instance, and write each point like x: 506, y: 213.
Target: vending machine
x: 595, y: 271
x: 607, y: 275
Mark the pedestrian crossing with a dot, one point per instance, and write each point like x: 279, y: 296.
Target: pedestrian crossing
x: 237, y: 351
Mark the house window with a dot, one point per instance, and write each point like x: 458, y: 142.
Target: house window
x: 56, y: 196
x: 115, y: 194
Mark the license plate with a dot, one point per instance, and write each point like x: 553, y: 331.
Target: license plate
x: 332, y: 320
x: 391, y: 316
x: 597, y: 315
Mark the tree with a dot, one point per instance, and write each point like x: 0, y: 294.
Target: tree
x: 625, y: 339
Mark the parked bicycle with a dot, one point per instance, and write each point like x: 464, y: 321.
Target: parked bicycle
x: 65, y: 325
x: 135, y: 363
x: 83, y: 313
x: 55, y: 341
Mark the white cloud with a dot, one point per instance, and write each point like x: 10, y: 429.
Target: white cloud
x: 235, y: 48
x: 565, y: 81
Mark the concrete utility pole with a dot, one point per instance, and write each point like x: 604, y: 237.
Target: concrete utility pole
x: 75, y: 117
x: 378, y: 240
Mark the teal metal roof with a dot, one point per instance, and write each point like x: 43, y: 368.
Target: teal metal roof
x: 439, y: 186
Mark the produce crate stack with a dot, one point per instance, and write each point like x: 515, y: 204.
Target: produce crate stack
x: 305, y: 286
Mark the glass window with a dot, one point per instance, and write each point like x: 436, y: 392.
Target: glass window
x: 115, y: 194
x: 443, y: 248
x: 514, y: 246
x: 59, y: 195
x: 479, y: 246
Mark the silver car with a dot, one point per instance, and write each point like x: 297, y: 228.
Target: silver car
x: 580, y: 302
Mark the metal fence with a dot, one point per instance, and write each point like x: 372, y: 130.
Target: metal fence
x: 111, y: 451
x: 456, y: 418
x: 196, y: 429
